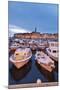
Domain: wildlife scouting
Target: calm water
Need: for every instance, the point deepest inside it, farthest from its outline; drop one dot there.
(29, 73)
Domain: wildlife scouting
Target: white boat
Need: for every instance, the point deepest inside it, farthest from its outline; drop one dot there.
(42, 44)
(33, 41)
(52, 50)
(21, 57)
(21, 41)
(16, 40)
(44, 61)
(14, 45)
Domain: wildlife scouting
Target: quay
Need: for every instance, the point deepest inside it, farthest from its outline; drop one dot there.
(33, 85)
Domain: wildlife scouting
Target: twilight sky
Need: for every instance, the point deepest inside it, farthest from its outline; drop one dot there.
(24, 17)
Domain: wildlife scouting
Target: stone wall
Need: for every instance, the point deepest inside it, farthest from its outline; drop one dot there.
(34, 35)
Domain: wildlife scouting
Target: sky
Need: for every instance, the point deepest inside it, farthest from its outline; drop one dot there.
(24, 17)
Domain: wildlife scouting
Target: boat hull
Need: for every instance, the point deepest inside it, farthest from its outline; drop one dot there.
(47, 72)
(53, 57)
(21, 63)
(41, 47)
(45, 66)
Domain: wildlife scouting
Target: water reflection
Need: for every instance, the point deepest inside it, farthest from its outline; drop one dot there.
(51, 76)
(21, 73)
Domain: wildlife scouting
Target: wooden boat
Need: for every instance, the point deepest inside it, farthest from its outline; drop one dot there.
(21, 57)
(52, 50)
(44, 61)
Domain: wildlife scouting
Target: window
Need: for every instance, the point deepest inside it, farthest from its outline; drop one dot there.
(17, 54)
(54, 51)
(52, 44)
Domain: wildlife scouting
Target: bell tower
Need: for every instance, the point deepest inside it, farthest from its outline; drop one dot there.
(35, 29)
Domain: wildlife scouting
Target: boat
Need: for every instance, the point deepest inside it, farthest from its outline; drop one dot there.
(42, 44)
(32, 41)
(14, 46)
(16, 40)
(33, 44)
(21, 41)
(52, 50)
(33, 47)
(24, 45)
(21, 57)
(44, 61)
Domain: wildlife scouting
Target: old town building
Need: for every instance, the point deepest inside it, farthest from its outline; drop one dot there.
(36, 35)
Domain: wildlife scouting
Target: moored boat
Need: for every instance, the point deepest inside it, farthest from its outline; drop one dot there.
(45, 65)
(21, 57)
(14, 46)
(44, 61)
(52, 50)
(33, 47)
(42, 44)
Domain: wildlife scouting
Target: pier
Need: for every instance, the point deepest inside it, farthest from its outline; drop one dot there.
(33, 85)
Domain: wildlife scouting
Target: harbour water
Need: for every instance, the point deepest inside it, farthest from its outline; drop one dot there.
(29, 73)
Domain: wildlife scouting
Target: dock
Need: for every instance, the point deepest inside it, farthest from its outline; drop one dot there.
(47, 84)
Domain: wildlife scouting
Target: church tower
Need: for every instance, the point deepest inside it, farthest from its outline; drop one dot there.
(35, 29)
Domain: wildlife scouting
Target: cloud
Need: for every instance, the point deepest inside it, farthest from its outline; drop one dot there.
(15, 29)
